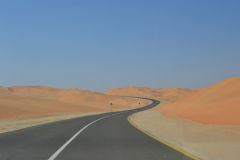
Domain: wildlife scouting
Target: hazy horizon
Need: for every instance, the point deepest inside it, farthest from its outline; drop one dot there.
(111, 44)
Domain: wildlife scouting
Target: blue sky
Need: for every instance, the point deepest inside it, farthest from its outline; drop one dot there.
(105, 44)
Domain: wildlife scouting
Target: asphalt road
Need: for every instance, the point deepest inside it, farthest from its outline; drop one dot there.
(106, 136)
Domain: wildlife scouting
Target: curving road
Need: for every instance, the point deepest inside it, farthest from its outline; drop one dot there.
(106, 136)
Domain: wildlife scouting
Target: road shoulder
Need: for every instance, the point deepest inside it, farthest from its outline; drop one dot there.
(208, 142)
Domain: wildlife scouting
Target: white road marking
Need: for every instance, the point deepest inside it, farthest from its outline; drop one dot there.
(73, 137)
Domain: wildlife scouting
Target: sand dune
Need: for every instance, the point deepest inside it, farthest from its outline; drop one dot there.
(18, 101)
(165, 94)
(217, 104)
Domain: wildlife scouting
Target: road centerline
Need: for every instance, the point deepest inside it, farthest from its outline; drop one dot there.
(54, 156)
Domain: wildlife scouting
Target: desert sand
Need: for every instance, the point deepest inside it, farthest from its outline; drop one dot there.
(163, 94)
(207, 142)
(34, 104)
(23, 101)
(205, 124)
(218, 104)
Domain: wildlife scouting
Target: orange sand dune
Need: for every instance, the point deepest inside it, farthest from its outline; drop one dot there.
(166, 94)
(217, 104)
(20, 101)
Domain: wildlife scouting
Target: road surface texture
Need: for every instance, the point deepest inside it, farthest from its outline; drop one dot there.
(107, 136)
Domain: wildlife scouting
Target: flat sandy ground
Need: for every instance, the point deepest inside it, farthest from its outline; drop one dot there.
(28, 121)
(208, 142)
